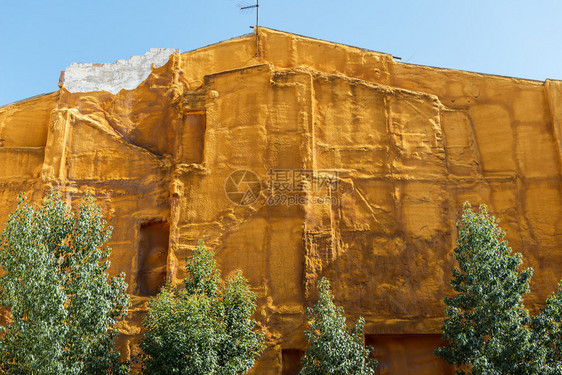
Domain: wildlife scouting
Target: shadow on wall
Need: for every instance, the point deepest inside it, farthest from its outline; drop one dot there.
(154, 239)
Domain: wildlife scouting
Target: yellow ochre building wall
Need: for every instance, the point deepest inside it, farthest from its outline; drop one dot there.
(404, 146)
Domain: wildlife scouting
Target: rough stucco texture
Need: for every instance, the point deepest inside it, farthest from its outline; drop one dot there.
(406, 145)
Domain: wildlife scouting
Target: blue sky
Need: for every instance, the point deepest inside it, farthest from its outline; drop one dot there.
(39, 38)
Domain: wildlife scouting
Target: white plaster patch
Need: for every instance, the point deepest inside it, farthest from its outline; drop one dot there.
(123, 74)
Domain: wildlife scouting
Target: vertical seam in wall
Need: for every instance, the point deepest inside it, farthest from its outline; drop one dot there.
(553, 123)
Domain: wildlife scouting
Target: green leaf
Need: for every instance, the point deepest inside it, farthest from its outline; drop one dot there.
(63, 306)
(204, 328)
(333, 348)
(488, 330)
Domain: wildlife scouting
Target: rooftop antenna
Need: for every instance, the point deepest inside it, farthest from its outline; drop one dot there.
(246, 7)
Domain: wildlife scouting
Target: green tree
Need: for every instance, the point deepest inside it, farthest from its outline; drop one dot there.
(204, 327)
(62, 305)
(487, 327)
(547, 331)
(333, 348)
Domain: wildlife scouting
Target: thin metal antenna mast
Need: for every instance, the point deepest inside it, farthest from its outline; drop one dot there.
(256, 28)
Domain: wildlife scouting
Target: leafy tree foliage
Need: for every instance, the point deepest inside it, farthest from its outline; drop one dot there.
(203, 328)
(547, 330)
(333, 348)
(488, 329)
(63, 306)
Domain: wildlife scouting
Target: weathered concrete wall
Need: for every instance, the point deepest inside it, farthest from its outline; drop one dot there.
(406, 146)
(123, 74)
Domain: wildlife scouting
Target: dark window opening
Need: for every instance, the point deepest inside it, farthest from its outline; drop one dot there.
(193, 138)
(291, 361)
(153, 255)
